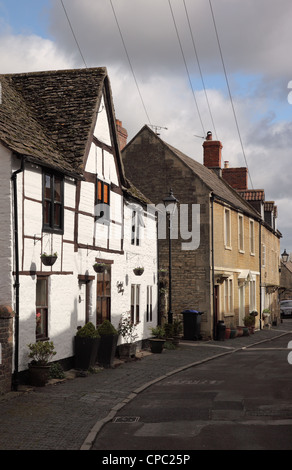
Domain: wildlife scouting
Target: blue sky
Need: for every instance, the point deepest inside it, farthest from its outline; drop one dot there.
(26, 16)
(255, 38)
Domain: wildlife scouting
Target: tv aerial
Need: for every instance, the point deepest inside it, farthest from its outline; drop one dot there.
(156, 128)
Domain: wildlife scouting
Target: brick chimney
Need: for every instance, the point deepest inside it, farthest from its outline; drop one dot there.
(212, 154)
(122, 134)
(236, 177)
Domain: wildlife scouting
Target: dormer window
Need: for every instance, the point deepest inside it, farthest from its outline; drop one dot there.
(53, 203)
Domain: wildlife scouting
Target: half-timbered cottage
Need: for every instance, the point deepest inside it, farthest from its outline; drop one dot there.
(64, 193)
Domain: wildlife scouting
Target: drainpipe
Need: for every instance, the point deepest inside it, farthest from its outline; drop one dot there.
(16, 284)
(213, 274)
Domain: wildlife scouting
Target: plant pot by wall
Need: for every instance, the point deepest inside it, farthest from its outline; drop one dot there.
(233, 333)
(107, 350)
(227, 333)
(245, 331)
(127, 350)
(38, 375)
(156, 345)
(86, 350)
(239, 331)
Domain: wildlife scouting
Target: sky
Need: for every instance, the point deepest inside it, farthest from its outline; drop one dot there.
(183, 67)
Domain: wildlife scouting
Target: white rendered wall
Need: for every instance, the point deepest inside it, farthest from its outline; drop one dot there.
(6, 228)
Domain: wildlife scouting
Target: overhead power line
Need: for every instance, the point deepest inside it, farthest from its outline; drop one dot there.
(231, 100)
(177, 33)
(200, 70)
(72, 30)
(132, 70)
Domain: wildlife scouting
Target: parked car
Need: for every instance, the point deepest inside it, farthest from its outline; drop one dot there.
(286, 308)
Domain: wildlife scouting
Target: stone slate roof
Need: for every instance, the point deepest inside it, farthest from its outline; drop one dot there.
(48, 116)
(218, 186)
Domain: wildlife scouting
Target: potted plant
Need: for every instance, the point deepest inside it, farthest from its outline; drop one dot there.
(138, 271)
(126, 330)
(39, 368)
(158, 340)
(249, 322)
(87, 341)
(108, 344)
(49, 260)
(99, 267)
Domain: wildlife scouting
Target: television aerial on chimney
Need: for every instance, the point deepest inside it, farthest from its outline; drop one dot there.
(156, 128)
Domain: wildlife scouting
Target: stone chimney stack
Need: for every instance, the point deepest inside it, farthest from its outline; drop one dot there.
(122, 134)
(212, 154)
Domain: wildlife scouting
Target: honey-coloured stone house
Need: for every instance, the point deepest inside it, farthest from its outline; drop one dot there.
(222, 275)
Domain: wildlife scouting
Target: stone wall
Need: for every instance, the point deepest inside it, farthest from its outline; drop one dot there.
(6, 348)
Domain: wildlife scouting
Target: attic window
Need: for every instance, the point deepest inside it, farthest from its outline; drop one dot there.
(53, 203)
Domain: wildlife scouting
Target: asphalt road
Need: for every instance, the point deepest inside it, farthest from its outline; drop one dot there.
(241, 401)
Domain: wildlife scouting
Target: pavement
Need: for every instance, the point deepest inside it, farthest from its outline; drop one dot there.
(68, 414)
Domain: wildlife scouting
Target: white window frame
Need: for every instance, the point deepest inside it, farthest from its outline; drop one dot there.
(227, 228)
(240, 233)
(149, 308)
(228, 295)
(135, 303)
(252, 295)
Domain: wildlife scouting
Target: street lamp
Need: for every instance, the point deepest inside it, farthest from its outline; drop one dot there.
(170, 203)
(285, 256)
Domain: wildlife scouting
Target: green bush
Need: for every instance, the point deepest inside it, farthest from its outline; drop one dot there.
(158, 332)
(56, 371)
(106, 328)
(88, 331)
(41, 352)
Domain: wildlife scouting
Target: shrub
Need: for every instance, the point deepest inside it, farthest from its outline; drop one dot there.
(88, 331)
(106, 328)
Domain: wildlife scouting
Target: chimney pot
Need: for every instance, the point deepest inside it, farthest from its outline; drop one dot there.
(226, 164)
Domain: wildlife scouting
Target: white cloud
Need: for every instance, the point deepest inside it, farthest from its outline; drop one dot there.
(31, 53)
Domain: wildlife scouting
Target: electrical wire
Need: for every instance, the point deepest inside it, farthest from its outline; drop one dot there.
(72, 30)
(132, 70)
(200, 70)
(186, 67)
(227, 82)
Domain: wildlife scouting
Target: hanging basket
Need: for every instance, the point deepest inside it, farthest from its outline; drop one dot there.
(99, 267)
(138, 271)
(48, 260)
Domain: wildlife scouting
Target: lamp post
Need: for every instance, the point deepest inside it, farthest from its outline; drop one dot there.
(285, 256)
(170, 203)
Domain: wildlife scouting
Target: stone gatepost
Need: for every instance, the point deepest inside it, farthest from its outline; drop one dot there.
(6, 348)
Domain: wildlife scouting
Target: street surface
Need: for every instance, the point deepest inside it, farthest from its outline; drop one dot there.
(239, 401)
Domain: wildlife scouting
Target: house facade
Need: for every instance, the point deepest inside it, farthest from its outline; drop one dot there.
(220, 274)
(64, 192)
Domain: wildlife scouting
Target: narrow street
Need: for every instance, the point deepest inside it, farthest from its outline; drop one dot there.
(241, 401)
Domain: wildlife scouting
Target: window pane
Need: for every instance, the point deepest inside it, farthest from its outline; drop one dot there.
(41, 322)
(48, 186)
(47, 213)
(99, 191)
(105, 194)
(57, 187)
(41, 293)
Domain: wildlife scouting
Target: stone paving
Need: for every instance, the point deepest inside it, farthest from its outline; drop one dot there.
(68, 415)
